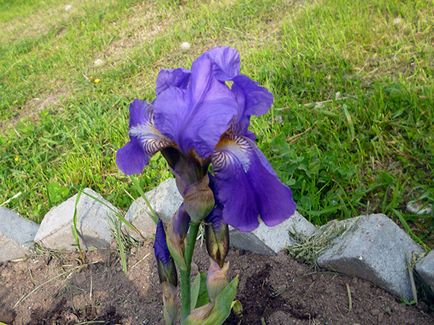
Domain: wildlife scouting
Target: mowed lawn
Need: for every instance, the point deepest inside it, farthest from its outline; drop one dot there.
(351, 128)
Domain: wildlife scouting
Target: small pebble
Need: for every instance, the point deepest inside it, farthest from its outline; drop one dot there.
(68, 8)
(185, 46)
(419, 208)
(397, 21)
(98, 62)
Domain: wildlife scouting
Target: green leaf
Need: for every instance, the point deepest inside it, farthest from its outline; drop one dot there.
(221, 309)
(199, 292)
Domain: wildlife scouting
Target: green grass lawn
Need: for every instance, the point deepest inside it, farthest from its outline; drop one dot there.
(350, 130)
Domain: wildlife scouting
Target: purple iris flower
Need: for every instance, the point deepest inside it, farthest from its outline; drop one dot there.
(198, 116)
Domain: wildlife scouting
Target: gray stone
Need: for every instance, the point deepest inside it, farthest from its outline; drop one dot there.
(266, 240)
(164, 199)
(94, 223)
(16, 235)
(425, 268)
(376, 249)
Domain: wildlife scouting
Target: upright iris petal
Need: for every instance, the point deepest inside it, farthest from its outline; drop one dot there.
(251, 98)
(226, 62)
(248, 188)
(196, 117)
(145, 139)
(172, 78)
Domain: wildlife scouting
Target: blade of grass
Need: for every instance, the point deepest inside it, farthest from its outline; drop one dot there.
(409, 230)
(154, 214)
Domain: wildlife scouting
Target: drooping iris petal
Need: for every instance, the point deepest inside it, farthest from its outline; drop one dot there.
(145, 140)
(161, 250)
(131, 158)
(226, 62)
(172, 78)
(196, 118)
(248, 187)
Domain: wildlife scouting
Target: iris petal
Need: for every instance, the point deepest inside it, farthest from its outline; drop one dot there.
(145, 140)
(196, 118)
(248, 187)
(252, 98)
(226, 62)
(172, 78)
(131, 158)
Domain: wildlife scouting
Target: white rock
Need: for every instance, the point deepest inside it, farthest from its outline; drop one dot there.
(16, 235)
(185, 46)
(397, 21)
(98, 62)
(266, 240)
(425, 268)
(68, 8)
(164, 199)
(94, 223)
(419, 208)
(376, 249)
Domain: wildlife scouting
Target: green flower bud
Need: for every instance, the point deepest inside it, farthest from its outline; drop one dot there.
(200, 314)
(216, 237)
(176, 233)
(217, 279)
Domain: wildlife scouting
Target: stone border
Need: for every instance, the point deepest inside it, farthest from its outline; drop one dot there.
(370, 247)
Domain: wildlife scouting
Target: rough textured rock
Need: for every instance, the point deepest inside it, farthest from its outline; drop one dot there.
(376, 249)
(270, 240)
(425, 268)
(94, 223)
(16, 235)
(164, 199)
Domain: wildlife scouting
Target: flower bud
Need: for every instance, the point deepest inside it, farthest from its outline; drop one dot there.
(177, 231)
(216, 236)
(166, 266)
(170, 303)
(200, 314)
(217, 279)
(198, 200)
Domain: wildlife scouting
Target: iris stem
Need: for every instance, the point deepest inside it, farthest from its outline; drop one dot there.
(185, 275)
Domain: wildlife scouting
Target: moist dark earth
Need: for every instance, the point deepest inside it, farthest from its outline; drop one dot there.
(55, 288)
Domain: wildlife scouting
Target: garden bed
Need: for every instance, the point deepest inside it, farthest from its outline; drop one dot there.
(54, 288)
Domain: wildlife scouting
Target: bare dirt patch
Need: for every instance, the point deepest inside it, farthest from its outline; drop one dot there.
(58, 289)
(31, 109)
(143, 24)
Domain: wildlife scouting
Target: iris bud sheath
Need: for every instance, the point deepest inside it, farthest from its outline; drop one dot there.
(167, 274)
(217, 279)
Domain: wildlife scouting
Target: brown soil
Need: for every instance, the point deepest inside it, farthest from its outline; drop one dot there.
(60, 289)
